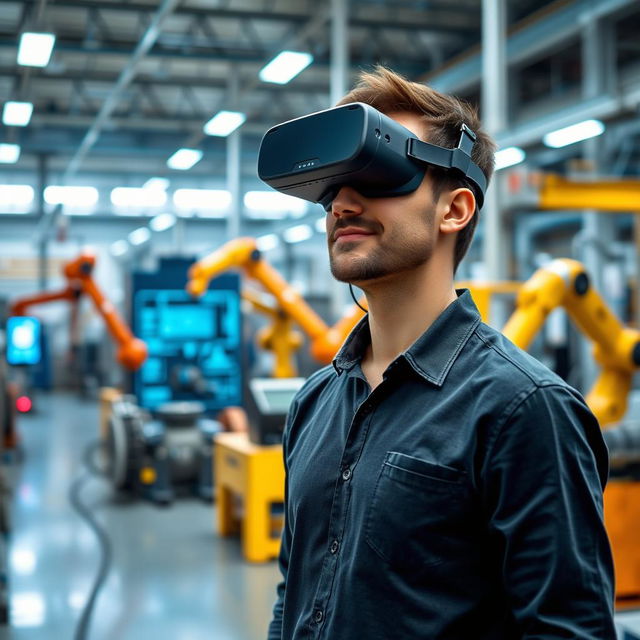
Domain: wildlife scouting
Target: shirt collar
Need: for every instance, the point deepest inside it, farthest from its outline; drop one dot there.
(433, 353)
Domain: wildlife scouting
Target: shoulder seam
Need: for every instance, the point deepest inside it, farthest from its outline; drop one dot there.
(515, 404)
(505, 356)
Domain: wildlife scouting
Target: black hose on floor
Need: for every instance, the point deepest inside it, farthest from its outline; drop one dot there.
(104, 542)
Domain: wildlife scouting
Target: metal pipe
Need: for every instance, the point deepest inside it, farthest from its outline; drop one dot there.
(494, 113)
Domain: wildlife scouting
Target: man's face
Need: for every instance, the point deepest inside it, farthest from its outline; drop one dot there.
(374, 238)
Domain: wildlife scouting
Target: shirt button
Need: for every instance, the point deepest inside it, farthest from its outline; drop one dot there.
(317, 616)
(335, 545)
(346, 474)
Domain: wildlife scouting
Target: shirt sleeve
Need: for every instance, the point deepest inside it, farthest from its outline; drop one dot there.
(544, 478)
(275, 627)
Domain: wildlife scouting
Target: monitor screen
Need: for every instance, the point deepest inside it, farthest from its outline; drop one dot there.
(279, 400)
(23, 340)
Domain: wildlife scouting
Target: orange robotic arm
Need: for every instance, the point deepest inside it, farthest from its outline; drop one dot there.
(132, 352)
(565, 283)
(20, 306)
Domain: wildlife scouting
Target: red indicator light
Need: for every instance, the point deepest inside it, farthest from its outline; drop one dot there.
(23, 404)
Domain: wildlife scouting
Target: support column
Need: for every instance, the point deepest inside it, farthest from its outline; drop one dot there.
(339, 87)
(43, 241)
(234, 222)
(497, 242)
(598, 229)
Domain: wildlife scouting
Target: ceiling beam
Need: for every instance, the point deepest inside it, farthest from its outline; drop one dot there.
(126, 76)
(442, 18)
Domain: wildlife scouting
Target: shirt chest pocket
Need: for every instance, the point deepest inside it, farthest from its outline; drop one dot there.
(417, 513)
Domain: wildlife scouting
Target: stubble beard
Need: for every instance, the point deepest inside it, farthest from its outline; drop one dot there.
(380, 262)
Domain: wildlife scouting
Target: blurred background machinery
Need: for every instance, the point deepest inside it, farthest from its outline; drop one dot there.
(153, 294)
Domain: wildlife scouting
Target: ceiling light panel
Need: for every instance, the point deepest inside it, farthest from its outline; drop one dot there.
(574, 133)
(139, 236)
(285, 66)
(9, 153)
(35, 49)
(17, 114)
(298, 233)
(207, 202)
(71, 196)
(162, 222)
(184, 159)
(272, 205)
(224, 123)
(127, 197)
(509, 157)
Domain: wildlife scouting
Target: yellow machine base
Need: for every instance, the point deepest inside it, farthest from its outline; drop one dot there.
(255, 474)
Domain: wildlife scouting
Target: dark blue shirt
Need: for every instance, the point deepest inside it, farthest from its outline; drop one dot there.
(460, 499)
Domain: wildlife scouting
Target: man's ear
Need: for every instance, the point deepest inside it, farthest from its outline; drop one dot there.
(457, 209)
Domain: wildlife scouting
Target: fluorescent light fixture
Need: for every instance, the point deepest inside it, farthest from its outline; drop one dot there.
(299, 233)
(285, 66)
(71, 196)
(119, 248)
(202, 200)
(23, 561)
(272, 205)
(35, 49)
(321, 225)
(16, 195)
(184, 159)
(136, 197)
(162, 184)
(575, 133)
(9, 153)
(17, 114)
(162, 222)
(268, 242)
(28, 609)
(139, 236)
(224, 123)
(508, 157)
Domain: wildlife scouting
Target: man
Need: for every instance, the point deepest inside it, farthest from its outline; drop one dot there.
(441, 483)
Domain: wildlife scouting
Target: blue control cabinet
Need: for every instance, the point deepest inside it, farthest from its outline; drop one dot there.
(195, 348)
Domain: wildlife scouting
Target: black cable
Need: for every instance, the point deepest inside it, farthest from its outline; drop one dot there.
(103, 539)
(353, 295)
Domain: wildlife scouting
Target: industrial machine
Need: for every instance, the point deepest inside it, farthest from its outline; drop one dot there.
(195, 347)
(267, 402)
(161, 456)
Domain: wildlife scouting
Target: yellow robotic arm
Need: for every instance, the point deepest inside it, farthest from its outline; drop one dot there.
(243, 253)
(564, 282)
(279, 337)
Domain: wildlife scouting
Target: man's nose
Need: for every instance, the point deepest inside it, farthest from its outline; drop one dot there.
(347, 202)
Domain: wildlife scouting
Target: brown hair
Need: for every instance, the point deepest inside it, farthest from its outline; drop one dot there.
(442, 115)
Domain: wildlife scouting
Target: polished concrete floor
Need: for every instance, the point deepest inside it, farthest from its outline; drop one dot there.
(172, 577)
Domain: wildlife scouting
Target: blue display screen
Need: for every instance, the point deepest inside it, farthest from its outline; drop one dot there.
(194, 344)
(23, 340)
(186, 321)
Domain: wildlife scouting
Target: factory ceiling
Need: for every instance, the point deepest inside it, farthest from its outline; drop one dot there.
(130, 82)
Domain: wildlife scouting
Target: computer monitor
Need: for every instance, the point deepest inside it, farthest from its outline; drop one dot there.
(23, 340)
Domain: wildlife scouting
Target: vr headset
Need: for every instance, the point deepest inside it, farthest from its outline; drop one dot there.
(314, 156)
